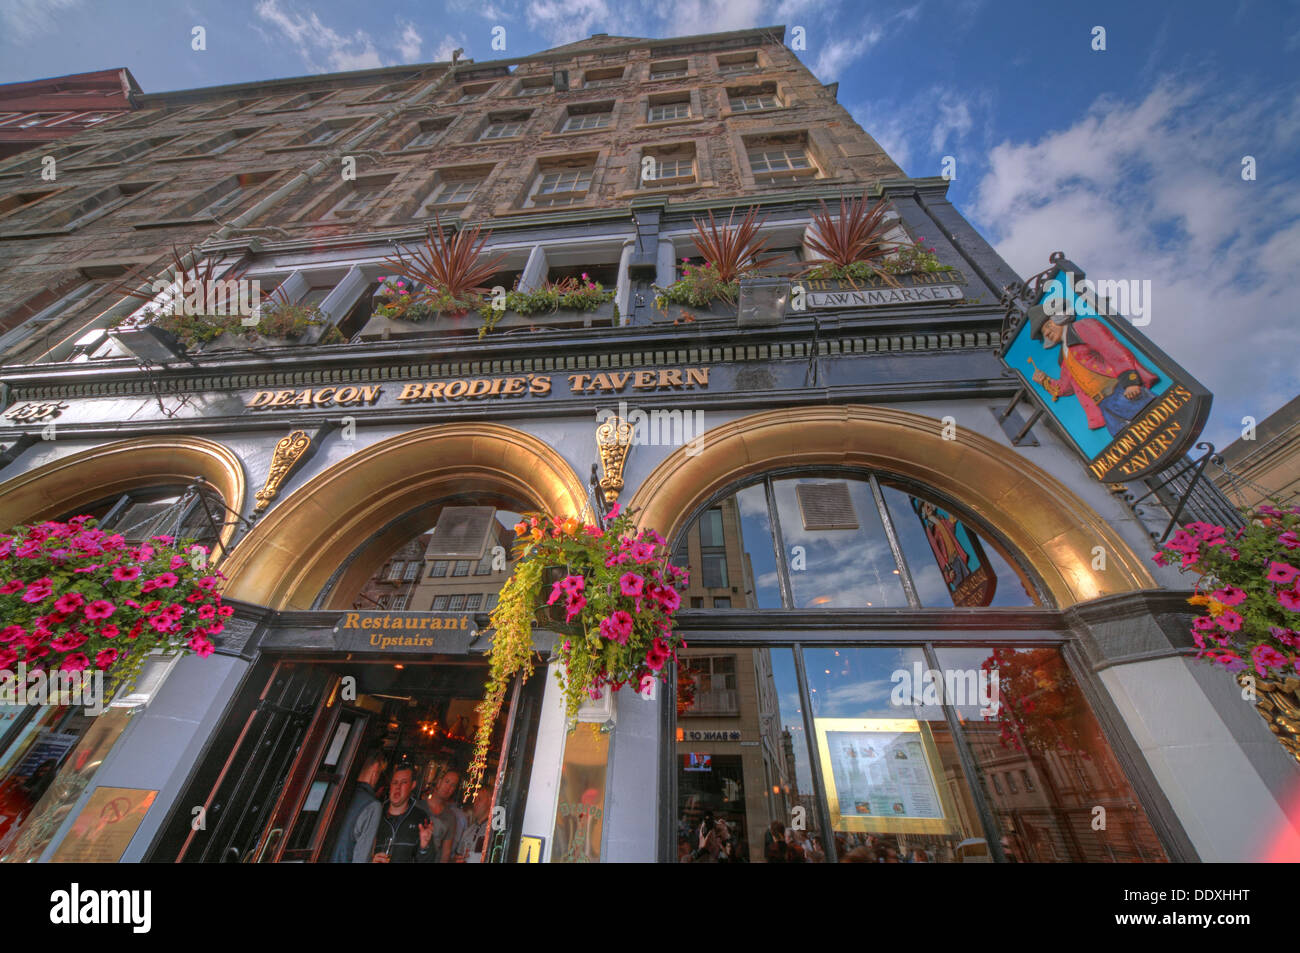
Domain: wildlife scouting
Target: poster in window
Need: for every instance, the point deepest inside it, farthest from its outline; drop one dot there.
(957, 551)
(882, 775)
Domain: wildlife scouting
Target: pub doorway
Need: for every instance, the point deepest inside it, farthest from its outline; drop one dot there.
(295, 752)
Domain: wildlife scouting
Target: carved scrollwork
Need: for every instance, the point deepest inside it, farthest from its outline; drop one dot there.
(614, 440)
(287, 453)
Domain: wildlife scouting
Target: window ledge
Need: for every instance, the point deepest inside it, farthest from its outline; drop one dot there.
(671, 79)
(503, 210)
(666, 189)
(302, 148)
(668, 122)
(577, 132)
(488, 142)
(728, 112)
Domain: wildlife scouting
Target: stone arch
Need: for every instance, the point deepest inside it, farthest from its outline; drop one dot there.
(1052, 529)
(290, 555)
(79, 479)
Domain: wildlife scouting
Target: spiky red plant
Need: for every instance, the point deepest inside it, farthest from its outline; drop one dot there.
(733, 250)
(856, 235)
(447, 267)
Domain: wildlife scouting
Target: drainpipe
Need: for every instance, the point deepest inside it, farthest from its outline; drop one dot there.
(129, 304)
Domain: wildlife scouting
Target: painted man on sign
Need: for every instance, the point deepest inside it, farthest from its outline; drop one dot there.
(1096, 368)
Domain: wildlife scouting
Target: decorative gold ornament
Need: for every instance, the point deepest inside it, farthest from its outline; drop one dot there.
(287, 453)
(1278, 703)
(614, 438)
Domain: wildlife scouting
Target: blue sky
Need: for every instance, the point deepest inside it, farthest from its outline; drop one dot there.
(1128, 159)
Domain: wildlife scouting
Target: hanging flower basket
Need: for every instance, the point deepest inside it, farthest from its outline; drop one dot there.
(614, 592)
(1250, 591)
(74, 598)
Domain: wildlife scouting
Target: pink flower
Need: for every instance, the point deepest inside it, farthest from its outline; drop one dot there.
(1229, 595)
(177, 562)
(1189, 559)
(75, 662)
(7, 657)
(1266, 658)
(68, 642)
(630, 584)
(110, 631)
(1182, 542)
(1289, 599)
(643, 552)
(12, 586)
(576, 605)
(657, 655)
(617, 628)
(1287, 539)
(11, 632)
(226, 611)
(167, 580)
(1230, 660)
(1203, 624)
(207, 612)
(207, 583)
(126, 573)
(1229, 621)
(37, 592)
(1282, 572)
(100, 609)
(201, 646)
(105, 658)
(613, 511)
(667, 597)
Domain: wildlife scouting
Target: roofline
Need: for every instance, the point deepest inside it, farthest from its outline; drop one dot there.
(760, 34)
(134, 86)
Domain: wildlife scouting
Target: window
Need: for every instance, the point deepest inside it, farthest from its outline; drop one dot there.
(666, 111)
(781, 164)
(1029, 783)
(456, 603)
(395, 570)
(669, 169)
(595, 78)
(1011, 783)
(39, 119)
(356, 198)
(381, 602)
(491, 602)
(450, 191)
(461, 568)
(484, 567)
(997, 785)
(668, 70)
(94, 205)
(303, 100)
(473, 601)
(715, 686)
(388, 94)
(439, 569)
(563, 186)
(128, 151)
(750, 103)
(503, 127)
(469, 94)
(588, 120)
(399, 603)
(426, 134)
(412, 572)
(737, 62)
(216, 145)
(536, 87)
(721, 602)
(322, 135)
(440, 603)
(19, 200)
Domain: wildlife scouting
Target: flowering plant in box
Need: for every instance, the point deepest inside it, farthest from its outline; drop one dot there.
(617, 591)
(75, 598)
(1249, 588)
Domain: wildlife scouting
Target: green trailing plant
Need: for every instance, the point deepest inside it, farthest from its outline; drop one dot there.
(398, 300)
(697, 287)
(277, 319)
(568, 294)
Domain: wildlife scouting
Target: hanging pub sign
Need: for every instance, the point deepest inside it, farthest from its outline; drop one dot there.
(959, 555)
(1124, 405)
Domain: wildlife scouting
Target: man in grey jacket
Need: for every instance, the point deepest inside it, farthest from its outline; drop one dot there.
(357, 833)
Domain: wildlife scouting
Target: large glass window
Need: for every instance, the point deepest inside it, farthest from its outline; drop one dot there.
(845, 539)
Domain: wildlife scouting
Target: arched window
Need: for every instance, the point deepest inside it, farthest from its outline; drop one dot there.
(845, 539)
(450, 555)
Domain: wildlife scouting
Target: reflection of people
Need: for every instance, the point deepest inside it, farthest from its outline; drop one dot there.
(1011, 849)
(442, 805)
(1110, 384)
(774, 846)
(356, 841)
(406, 830)
(472, 840)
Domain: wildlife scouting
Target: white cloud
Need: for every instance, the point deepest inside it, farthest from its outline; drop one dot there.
(889, 130)
(409, 43)
(323, 49)
(446, 46)
(833, 57)
(564, 21)
(27, 19)
(1153, 190)
(954, 121)
(690, 17)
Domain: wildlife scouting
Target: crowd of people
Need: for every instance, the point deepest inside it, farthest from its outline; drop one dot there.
(401, 828)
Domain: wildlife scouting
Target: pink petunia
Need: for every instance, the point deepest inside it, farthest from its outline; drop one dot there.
(657, 655)
(1203, 624)
(642, 552)
(1229, 595)
(207, 612)
(100, 609)
(37, 593)
(617, 628)
(167, 580)
(1284, 573)
(12, 586)
(75, 662)
(1266, 658)
(1289, 599)
(201, 646)
(110, 632)
(126, 573)
(11, 632)
(630, 584)
(105, 658)
(1288, 539)
(576, 605)
(1229, 621)
(68, 642)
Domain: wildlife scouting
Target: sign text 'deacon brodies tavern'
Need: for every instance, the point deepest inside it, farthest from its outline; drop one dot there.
(1126, 407)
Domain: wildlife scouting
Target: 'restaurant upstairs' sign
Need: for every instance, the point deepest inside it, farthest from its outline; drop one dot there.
(1127, 408)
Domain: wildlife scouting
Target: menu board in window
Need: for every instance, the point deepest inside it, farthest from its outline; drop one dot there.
(883, 775)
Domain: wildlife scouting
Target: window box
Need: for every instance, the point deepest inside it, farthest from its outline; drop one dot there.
(673, 313)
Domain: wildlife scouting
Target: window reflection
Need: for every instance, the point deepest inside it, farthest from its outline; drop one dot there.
(1046, 765)
(744, 780)
(731, 544)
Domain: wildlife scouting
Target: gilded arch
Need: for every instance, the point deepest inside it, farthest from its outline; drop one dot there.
(289, 556)
(63, 485)
(1052, 528)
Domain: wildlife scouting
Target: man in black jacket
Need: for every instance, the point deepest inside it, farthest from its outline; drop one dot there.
(405, 828)
(356, 843)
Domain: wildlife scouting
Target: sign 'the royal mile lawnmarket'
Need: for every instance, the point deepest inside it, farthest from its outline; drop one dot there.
(943, 285)
(1123, 404)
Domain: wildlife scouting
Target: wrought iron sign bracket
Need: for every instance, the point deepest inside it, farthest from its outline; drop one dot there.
(1012, 424)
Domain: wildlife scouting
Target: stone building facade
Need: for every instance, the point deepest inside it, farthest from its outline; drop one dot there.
(823, 465)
